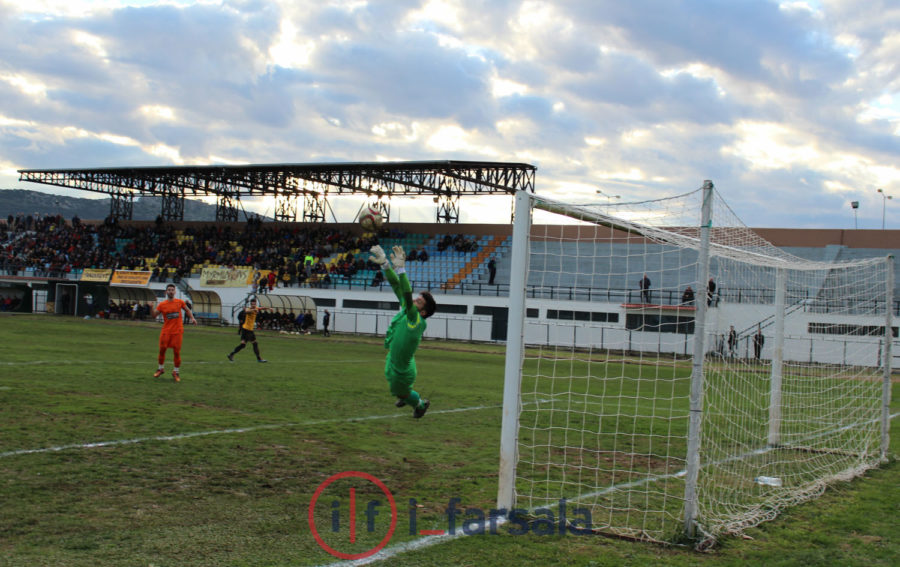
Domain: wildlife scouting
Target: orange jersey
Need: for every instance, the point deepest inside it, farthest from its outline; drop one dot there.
(171, 312)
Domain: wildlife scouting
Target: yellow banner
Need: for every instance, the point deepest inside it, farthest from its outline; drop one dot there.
(131, 277)
(225, 277)
(95, 275)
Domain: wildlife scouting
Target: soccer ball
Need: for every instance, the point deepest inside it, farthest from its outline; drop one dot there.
(370, 219)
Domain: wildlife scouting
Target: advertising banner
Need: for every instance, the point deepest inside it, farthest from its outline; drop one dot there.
(131, 277)
(225, 277)
(95, 275)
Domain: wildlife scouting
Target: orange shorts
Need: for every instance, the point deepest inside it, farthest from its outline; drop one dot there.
(170, 340)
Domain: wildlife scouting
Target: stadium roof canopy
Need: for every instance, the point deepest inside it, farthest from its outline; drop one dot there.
(446, 181)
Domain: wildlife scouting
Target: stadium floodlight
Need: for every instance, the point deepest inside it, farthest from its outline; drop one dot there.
(609, 197)
(660, 427)
(884, 200)
(855, 206)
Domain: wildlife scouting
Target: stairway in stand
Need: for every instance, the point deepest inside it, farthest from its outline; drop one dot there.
(486, 252)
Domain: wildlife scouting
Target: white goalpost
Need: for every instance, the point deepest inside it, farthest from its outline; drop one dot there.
(665, 417)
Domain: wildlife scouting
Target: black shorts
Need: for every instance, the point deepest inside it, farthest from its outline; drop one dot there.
(247, 336)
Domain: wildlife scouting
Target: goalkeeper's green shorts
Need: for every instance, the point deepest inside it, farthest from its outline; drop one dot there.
(400, 381)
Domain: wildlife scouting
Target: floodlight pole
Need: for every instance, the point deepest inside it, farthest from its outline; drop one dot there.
(884, 199)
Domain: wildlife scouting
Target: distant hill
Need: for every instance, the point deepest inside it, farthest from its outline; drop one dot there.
(15, 201)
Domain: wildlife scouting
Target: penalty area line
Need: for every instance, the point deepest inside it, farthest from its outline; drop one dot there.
(414, 545)
(250, 429)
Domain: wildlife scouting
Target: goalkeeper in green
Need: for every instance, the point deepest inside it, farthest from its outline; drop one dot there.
(405, 332)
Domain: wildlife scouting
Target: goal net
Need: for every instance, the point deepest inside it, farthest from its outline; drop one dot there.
(660, 415)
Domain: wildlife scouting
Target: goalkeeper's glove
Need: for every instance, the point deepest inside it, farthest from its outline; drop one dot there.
(378, 256)
(398, 258)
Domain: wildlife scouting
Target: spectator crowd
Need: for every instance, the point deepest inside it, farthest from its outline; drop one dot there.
(290, 255)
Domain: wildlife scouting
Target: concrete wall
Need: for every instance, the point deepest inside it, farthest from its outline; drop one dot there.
(800, 345)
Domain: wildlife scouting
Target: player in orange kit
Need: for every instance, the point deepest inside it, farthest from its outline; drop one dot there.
(173, 329)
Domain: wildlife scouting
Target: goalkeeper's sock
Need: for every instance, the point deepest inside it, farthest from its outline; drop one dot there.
(412, 399)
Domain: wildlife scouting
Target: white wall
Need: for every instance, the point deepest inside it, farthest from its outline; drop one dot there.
(799, 344)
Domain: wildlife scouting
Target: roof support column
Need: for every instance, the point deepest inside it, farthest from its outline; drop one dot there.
(172, 204)
(121, 204)
(285, 208)
(313, 207)
(448, 208)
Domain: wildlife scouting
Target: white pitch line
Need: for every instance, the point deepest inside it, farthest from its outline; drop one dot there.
(413, 545)
(180, 436)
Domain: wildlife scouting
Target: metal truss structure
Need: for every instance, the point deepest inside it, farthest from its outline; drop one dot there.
(227, 206)
(121, 204)
(445, 181)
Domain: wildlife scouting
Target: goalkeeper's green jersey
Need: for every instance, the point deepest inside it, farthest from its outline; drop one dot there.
(407, 327)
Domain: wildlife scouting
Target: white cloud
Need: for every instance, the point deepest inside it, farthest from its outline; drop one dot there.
(886, 107)
(455, 139)
(169, 153)
(634, 137)
(772, 146)
(28, 86)
(291, 50)
(441, 12)
(92, 43)
(158, 112)
(6, 121)
(504, 87)
(397, 131)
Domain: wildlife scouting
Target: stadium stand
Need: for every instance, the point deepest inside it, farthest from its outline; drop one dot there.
(335, 256)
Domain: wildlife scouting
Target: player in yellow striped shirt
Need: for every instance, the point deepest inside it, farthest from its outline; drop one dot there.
(247, 331)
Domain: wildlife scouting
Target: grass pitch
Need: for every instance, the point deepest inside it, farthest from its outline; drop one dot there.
(101, 464)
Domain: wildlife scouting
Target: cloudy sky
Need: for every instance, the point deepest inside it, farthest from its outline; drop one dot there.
(791, 108)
